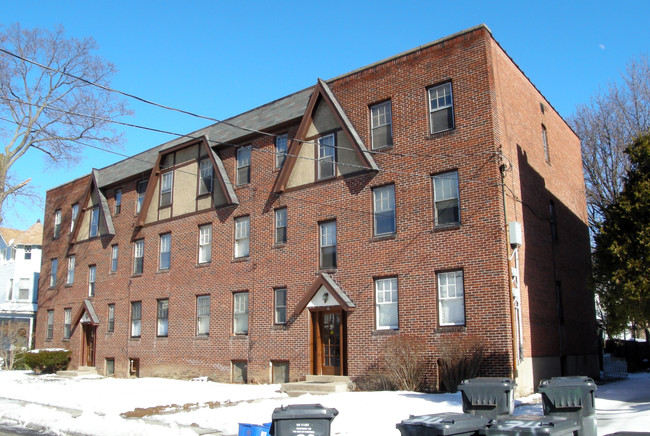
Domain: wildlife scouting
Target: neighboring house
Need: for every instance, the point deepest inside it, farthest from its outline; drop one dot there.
(20, 264)
(435, 194)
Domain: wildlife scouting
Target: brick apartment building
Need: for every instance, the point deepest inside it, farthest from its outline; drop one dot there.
(434, 194)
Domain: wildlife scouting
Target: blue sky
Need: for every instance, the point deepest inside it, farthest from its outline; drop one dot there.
(220, 58)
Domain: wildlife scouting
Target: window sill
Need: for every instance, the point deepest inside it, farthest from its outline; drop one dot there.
(202, 337)
(239, 336)
(241, 259)
(446, 227)
(68, 285)
(279, 245)
(163, 271)
(158, 338)
(136, 275)
(204, 195)
(279, 327)
(202, 265)
(65, 340)
(385, 332)
(243, 185)
(134, 338)
(451, 328)
(166, 206)
(386, 237)
(383, 147)
(441, 133)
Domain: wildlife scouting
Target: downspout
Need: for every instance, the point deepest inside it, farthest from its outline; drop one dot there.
(513, 326)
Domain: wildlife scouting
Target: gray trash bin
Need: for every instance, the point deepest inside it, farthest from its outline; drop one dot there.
(573, 398)
(531, 425)
(490, 397)
(442, 424)
(307, 419)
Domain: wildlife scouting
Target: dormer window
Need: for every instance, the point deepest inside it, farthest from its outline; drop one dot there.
(326, 157)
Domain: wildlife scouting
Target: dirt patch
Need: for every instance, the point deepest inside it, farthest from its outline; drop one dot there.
(170, 409)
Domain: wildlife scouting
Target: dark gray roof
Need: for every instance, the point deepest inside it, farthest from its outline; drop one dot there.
(271, 114)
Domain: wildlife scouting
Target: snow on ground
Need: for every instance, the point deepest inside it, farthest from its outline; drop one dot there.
(108, 406)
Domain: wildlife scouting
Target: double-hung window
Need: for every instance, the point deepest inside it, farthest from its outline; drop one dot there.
(114, 258)
(205, 243)
(23, 289)
(50, 325)
(446, 199)
(386, 303)
(94, 222)
(136, 318)
(163, 317)
(451, 298)
(441, 108)
(281, 226)
(280, 300)
(384, 210)
(242, 236)
(67, 323)
(327, 244)
(280, 150)
(118, 201)
(57, 223)
(203, 315)
(165, 251)
(166, 184)
(91, 280)
(243, 165)
(74, 213)
(326, 157)
(206, 176)
(141, 190)
(381, 123)
(53, 270)
(70, 277)
(28, 252)
(111, 318)
(240, 313)
(138, 256)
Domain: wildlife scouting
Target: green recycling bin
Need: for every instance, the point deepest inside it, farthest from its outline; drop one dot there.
(573, 398)
(442, 424)
(531, 425)
(302, 419)
(490, 397)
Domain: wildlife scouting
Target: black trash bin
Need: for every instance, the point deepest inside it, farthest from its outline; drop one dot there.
(307, 419)
(531, 425)
(490, 397)
(573, 398)
(442, 424)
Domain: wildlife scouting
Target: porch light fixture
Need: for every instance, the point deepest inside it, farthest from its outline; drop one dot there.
(325, 297)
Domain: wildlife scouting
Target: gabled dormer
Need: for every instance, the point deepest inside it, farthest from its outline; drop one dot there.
(326, 145)
(186, 179)
(94, 218)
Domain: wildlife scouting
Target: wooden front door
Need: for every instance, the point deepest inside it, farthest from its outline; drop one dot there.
(89, 345)
(329, 343)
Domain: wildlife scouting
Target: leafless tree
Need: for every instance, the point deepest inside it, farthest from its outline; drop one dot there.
(48, 102)
(606, 125)
(13, 341)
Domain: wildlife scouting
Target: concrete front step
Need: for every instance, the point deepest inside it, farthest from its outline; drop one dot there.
(318, 384)
(82, 370)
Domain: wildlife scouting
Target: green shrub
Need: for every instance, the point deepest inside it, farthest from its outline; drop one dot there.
(47, 361)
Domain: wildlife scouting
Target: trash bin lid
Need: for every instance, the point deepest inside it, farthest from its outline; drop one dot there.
(525, 425)
(447, 423)
(585, 383)
(491, 382)
(304, 411)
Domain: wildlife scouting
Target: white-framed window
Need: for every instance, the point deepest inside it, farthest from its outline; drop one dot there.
(384, 210)
(70, 277)
(240, 313)
(136, 318)
(27, 252)
(281, 142)
(138, 256)
(50, 325)
(57, 223)
(91, 280)
(54, 266)
(67, 323)
(23, 289)
(141, 189)
(166, 184)
(73, 215)
(281, 225)
(441, 108)
(381, 124)
(545, 143)
(163, 317)
(118, 201)
(446, 199)
(451, 298)
(280, 302)
(94, 222)
(205, 243)
(111, 318)
(242, 236)
(165, 251)
(386, 303)
(114, 252)
(244, 165)
(203, 315)
(206, 176)
(327, 232)
(326, 157)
